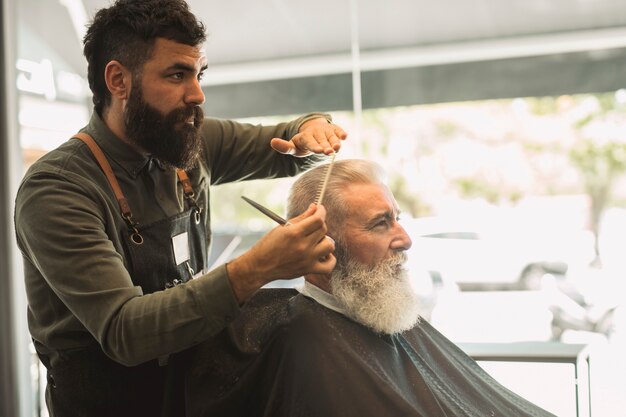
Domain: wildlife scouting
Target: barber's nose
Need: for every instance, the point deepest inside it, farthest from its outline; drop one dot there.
(194, 94)
(401, 240)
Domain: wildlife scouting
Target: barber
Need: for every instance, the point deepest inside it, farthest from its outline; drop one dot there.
(114, 224)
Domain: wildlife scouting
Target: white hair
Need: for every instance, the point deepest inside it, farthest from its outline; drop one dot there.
(344, 173)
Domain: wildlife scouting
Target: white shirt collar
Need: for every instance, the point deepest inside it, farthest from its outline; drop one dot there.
(322, 297)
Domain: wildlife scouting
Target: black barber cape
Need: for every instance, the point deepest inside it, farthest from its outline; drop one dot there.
(287, 355)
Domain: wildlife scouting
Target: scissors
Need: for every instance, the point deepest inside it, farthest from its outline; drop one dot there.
(269, 213)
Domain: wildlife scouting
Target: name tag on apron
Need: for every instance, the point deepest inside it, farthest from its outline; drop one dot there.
(180, 244)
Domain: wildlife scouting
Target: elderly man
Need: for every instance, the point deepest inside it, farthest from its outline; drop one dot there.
(352, 342)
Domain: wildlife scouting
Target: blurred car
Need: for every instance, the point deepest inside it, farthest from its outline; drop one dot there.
(490, 255)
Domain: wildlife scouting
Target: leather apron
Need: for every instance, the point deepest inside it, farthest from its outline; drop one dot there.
(86, 382)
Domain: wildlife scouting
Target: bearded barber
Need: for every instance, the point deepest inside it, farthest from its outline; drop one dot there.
(114, 224)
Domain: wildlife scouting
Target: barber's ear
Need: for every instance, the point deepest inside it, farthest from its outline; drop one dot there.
(118, 80)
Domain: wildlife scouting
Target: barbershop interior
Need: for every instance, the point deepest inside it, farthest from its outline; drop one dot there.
(501, 126)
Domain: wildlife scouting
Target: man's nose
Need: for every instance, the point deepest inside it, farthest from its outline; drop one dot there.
(194, 94)
(401, 240)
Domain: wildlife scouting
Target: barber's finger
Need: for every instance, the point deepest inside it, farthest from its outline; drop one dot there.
(311, 219)
(306, 214)
(335, 137)
(314, 225)
(283, 146)
(310, 141)
(322, 250)
(325, 245)
(340, 133)
(319, 141)
(325, 265)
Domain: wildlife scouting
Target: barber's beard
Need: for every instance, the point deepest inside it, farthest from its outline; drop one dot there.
(169, 138)
(379, 297)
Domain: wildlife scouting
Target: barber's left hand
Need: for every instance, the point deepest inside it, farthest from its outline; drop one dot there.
(315, 136)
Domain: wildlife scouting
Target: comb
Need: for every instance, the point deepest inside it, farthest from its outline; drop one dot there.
(322, 189)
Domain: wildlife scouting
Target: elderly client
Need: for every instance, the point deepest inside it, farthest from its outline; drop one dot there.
(351, 343)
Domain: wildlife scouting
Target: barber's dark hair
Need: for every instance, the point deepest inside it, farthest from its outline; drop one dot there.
(126, 32)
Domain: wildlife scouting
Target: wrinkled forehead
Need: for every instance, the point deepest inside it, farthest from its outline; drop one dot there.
(363, 201)
(375, 192)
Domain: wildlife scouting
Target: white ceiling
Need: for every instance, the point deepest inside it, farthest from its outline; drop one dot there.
(296, 36)
(243, 30)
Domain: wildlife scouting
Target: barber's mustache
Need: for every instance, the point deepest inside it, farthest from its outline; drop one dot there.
(183, 114)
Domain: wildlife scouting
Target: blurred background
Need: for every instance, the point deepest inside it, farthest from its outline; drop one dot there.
(502, 125)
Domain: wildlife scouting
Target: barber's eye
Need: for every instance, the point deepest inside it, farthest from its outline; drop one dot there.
(178, 75)
(200, 76)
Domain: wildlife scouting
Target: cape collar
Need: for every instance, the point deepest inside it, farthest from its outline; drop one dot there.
(322, 297)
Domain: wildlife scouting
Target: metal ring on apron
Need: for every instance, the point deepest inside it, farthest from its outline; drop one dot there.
(136, 238)
(196, 214)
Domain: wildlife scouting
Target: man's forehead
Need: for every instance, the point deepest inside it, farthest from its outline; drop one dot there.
(366, 201)
(167, 50)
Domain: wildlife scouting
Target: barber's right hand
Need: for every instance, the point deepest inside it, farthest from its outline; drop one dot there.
(286, 252)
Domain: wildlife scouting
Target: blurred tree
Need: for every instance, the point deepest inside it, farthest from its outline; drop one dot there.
(600, 165)
(600, 156)
(477, 187)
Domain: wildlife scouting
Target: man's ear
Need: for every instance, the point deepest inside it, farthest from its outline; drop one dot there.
(118, 80)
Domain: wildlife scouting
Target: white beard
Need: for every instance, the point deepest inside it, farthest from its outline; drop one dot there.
(379, 297)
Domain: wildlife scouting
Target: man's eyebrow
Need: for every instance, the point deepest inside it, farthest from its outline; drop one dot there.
(185, 67)
(386, 215)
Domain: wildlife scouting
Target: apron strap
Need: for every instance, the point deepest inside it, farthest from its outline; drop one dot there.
(189, 194)
(186, 183)
(119, 195)
(108, 171)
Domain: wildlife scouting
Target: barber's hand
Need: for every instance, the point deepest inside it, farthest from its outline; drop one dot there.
(315, 136)
(286, 252)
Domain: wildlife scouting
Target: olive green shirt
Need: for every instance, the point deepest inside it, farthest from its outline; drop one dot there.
(69, 229)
